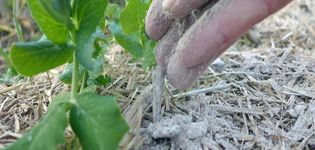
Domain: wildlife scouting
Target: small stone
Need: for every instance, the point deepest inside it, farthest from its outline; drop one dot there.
(218, 65)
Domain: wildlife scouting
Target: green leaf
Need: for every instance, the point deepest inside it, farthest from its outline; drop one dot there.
(113, 11)
(85, 53)
(132, 16)
(61, 99)
(89, 89)
(53, 18)
(66, 75)
(101, 80)
(149, 60)
(49, 132)
(97, 122)
(36, 57)
(128, 42)
(87, 15)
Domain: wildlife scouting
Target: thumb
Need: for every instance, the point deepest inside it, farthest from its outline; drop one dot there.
(157, 21)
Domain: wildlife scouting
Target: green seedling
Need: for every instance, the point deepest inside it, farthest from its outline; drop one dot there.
(128, 31)
(70, 33)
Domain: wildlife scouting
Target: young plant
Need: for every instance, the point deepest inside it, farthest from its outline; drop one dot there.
(70, 33)
(128, 31)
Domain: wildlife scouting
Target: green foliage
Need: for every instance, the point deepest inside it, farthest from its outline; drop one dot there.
(89, 89)
(101, 80)
(35, 57)
(128, 42)
(149, 55)
(97, 122)
(53, 18)
(85, 53)
(66, 75)
(133, 15)
(113, 11)
(87, 15)
(49, 132)
(74, 35)
(130, 33)
(71, 31)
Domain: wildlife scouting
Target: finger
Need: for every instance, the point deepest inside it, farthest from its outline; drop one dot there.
(213, 33)
(220, 27)
(180, 8)
(157, 21)
(167, 45)
(180, 76)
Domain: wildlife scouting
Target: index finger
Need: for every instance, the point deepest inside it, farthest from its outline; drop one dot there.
(219, 28)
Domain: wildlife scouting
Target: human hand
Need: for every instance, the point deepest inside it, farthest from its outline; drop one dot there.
(187, 46)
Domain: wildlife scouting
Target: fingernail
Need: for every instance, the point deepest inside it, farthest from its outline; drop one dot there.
(168, 4)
